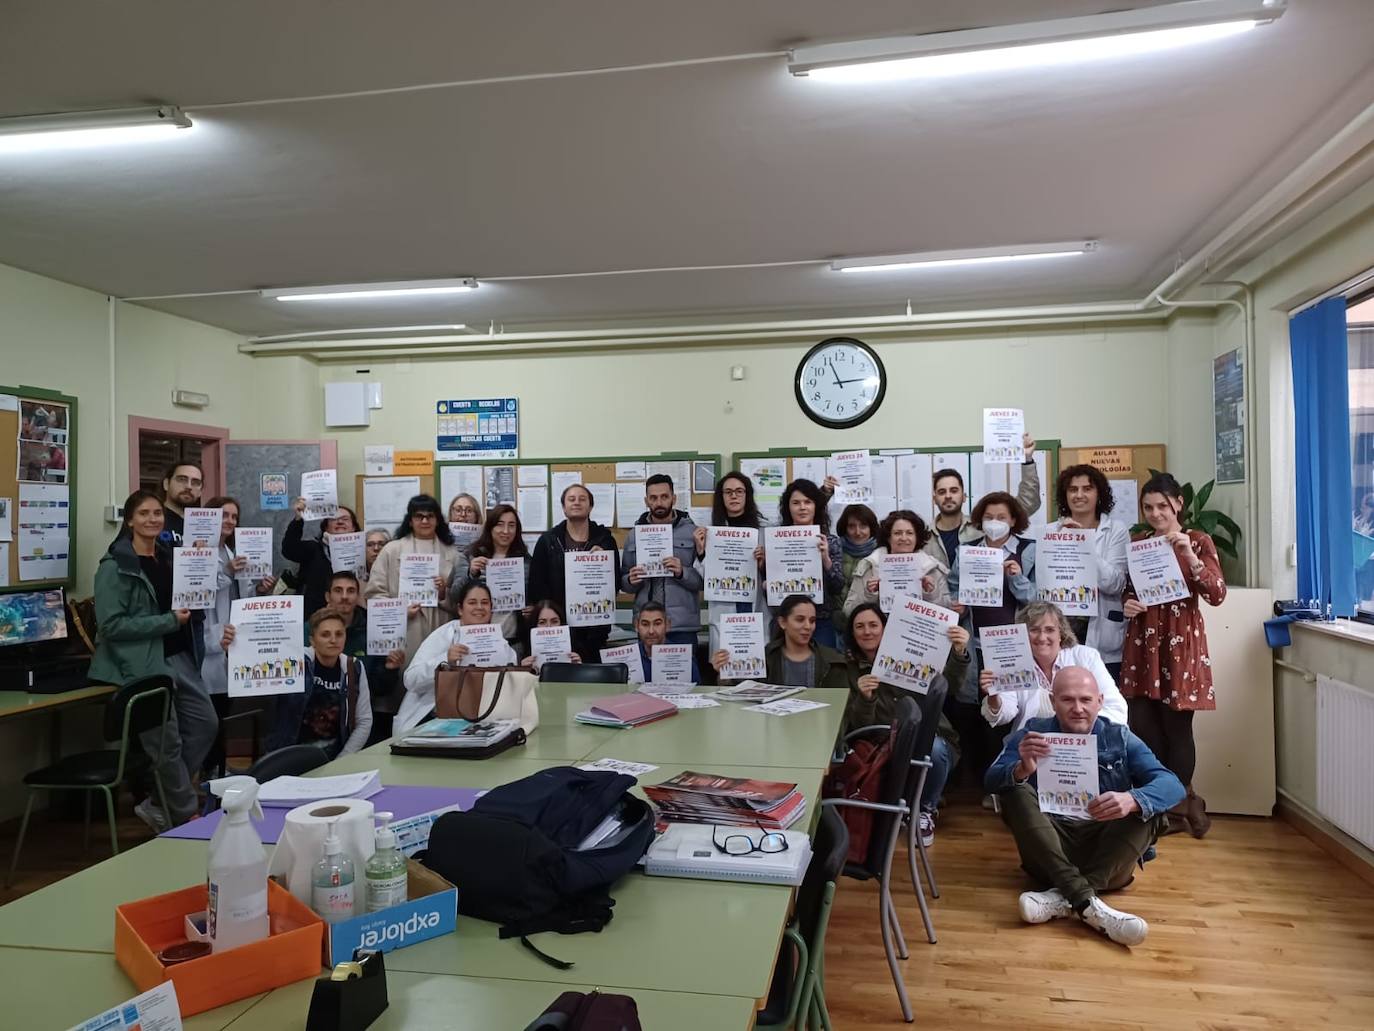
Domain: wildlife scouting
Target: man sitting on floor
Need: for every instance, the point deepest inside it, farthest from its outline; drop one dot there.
(1078, 858)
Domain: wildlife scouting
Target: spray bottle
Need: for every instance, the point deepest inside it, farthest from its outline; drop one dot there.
(237, 872)
(331, 881)
(386, 871)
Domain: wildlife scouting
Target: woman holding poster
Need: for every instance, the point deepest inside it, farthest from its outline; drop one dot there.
(548, 571)
(444, 648)
(140, 636)
(311, 554)
(804, 504)
(1166, 672)
(733, 506)
(873, 702)
(903, 532)
(793, 657)
(502, 537)
(1085, 503)
(422, 531)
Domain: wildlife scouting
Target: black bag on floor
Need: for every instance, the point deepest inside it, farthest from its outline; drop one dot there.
(514, 855)
(589, 1011)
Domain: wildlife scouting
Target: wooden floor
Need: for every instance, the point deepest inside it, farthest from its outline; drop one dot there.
(1253, 927)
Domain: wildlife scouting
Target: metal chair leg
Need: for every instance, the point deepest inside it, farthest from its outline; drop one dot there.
(902, 951)
(86, 826)
(886, 922)
(110, 812)
(930, 873)
(19, 842)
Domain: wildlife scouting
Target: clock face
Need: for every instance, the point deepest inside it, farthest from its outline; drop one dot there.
(840, 382)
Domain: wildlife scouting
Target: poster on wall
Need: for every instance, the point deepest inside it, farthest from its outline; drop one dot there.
(42, 443)
(1228, 416)
(480, 428)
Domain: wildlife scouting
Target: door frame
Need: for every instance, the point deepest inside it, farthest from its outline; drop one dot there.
(212, 456)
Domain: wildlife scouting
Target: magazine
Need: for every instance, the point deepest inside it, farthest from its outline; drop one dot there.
(754, 691)
(458, 733)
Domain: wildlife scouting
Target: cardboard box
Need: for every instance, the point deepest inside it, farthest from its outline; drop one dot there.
(431, 910)
(146, 927)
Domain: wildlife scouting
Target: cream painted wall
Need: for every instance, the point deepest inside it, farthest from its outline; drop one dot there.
(1087, 385)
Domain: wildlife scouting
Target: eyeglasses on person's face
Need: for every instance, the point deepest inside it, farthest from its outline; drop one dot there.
(424, 517)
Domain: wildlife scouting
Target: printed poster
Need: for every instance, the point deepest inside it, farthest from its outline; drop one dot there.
(506, 581)
(900, 576)
(1067, 778)
(550, 644)
(272, 492)
(590, 577)
(385, 499)
(320, 489)
(672, 664)
(42, 442)
(195, 578)
(465, 534)
(347, 552)
(44, 517)
(253, 544)
(731, 572)
(386, 625)
(653, 545)
(416, 582)
(1006, 652)
(379, 459)
(628, 654)
(1066, 570)
(915, 645)
(793, 561)
(742, 635)
(267, 655)
(980, 575)
(485, 643)
(202, 527)
(1228, 415)
(1003, 429)
(1156, 576)
(854, 471)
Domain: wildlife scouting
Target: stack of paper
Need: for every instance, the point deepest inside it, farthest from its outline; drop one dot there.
(457, 733)
(704, 798)
(626, 710)
(687, 850)
(294, 791)
(753, 691)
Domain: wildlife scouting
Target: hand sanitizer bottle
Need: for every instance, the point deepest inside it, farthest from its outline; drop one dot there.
(331, 892)
(237, 873)
(386, 871)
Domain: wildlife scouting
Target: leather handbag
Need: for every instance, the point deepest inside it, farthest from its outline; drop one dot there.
(477, 693)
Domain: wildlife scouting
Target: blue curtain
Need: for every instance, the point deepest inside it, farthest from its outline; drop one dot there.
(1321, 402)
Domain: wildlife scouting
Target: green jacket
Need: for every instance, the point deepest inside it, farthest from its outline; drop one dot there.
(866, 712)
(130, 626)
(832, 668)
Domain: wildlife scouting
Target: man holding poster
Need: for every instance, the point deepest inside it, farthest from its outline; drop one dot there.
(659, 563)
(1076, 858)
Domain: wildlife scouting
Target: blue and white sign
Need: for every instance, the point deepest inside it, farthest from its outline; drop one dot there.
(478, 429)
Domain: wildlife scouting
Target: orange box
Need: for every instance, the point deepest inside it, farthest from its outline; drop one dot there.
(146, 927)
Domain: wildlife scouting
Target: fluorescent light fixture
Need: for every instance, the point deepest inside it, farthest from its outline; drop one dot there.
(372, 291)
(320, 334)
(970, 256)
(91, 128)
(1032, 44)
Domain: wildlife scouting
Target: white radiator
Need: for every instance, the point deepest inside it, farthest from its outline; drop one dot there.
(1345, 757)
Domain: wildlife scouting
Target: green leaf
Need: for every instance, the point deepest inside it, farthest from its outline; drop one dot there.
(1207, 522)
(1204, 494)
(1226, 546)
(1139, 528)
(1187, 498)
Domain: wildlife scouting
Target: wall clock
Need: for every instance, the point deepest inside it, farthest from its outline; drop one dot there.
(840, 383)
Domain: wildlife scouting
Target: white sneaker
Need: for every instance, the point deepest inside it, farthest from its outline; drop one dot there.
(1040, 907)
(990, 803)
(926, 828)
(154, 817)
(1122, 928)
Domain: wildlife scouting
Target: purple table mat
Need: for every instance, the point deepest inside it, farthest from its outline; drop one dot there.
(402, 801)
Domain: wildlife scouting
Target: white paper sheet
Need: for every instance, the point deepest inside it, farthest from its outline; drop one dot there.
(1067, 778)
(506, 580)
(628, 654)
(884, 472)
(386, 625)
(1066, 571)
(267, 655)
(1125, 501)
(653, 547)
(914, 488)
(768, 474)
(854, 470)
(195, 578)
(253, 544)
(1006, 652)
(498, 482)
(1155, 572)
(44, 516)
(731, 572)
(385, 499)
(202, 526)
(550, 644)
(484, 642)
(630, 471)
(1003, 429)
(155, 1010)
(679, 472)
(459, 479)
(590, 578)
(416, 581)
(793, 563)
(915, 645)
(532, 475)
(812, 469)
(609, 765)
(534, 509)
(320, 489)
(379, 459)
(347, 552)
(786, 706)
(629, 502)
(672, 664)
(561, 482)
(980, 575)
(603, 502)
(742, 635)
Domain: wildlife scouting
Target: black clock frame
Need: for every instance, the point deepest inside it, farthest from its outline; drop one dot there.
(841, 424)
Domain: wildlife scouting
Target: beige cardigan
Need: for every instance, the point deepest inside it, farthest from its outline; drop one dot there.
(384, 582)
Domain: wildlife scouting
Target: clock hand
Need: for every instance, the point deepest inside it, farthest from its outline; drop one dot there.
(838, 382)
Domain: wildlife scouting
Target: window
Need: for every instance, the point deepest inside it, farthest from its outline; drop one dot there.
(1360, 340)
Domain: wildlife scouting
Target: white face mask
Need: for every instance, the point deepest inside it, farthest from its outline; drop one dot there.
(995, 529)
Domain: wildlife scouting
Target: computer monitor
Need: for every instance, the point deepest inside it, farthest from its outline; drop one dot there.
(32, 617)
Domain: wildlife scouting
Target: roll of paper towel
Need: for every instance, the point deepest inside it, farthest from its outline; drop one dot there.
(301, 844)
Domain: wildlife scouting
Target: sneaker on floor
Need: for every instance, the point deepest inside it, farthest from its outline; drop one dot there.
(154, 817)
(926, 828)
(990, 802)
(1040, 907)
(1122, 928)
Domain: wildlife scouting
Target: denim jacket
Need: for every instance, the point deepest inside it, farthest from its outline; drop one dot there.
(1124, 763)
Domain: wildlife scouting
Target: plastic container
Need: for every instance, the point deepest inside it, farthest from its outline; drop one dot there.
(237, 873)
(385, 873)
(332, 881)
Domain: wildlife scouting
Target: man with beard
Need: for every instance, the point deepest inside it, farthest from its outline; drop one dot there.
(180, 490)
(680, 591)
(952, 527)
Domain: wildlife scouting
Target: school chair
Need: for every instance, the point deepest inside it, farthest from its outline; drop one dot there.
(291, 761)
(930, 705)
(889, 811)
(797, 996)
(584, 673)
(135, 708)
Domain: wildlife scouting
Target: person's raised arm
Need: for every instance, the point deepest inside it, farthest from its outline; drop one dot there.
(1028, 489)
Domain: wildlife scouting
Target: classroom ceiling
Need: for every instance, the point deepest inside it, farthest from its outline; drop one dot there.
(731, 163)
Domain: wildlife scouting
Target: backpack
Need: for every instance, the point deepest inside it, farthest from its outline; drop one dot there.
(860, 776)
(514, 855)
(590, 1011)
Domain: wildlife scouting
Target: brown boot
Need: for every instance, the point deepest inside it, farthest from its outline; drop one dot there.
(1195, 813)
(1175, 820)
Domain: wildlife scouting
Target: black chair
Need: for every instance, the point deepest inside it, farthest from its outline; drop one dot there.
(797, 996)
(255, 718)
(584, 673)
(133, 709)
(291, 761)
(889, 812)
(931, 704)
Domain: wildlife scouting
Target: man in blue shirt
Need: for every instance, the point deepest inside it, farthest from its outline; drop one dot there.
(653, 627)
(1080, 857)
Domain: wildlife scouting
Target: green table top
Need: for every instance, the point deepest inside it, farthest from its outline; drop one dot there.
(19, 703)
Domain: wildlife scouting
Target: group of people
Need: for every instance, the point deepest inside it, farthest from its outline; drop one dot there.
(1139, 672)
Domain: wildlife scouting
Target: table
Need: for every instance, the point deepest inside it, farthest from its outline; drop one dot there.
(694, 953)
(21, 703)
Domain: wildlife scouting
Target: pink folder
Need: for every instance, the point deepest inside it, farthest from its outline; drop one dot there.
(632, 709)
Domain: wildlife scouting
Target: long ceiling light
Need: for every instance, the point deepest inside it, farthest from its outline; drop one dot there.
(372, 291)
(86, 128)
(969, 256)
(1032, 44)
(361, 331)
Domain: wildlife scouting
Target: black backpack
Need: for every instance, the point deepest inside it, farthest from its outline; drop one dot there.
(514, 857)
(590, 1011)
